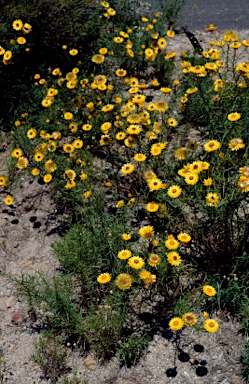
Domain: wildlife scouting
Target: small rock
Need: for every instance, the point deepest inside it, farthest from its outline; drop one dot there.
(17, 318)
(26, 265)
(90, 362)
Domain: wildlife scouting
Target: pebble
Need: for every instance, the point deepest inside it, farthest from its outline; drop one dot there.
(90, 362)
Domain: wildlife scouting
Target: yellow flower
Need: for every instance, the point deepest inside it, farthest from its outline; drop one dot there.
(31, 133)
(174, 258)
(170, 33)
(140, 157)
(236, 144)
(235, 45)
(120, 135)
(181, 153)
(77, 144)
(103, 51)
(212, 199)
(87, 194)
(124, 281)
(208, 182)
(126, 236)
(165, 90)
(161, 106)
(3, 180)
(35, 171)
(211, 28)
(26, 28)
(152, 207)
(87, 127)
(38, 156)
(155, 150)
(70, 184)
(172, 122)
(68, 115)
(176, 324)
(104, 278)
(155, 184)
(212, 145)
(118, 40)
(108, 108)
(154, 260)
(191, 178)
(136, 262)
(21, 40)
(127, 168)
(105, 140)
(47, 178)
(189, 319)
(83, 176)
(68, 148)
(184, 237)
(134, 129)
(146, 232)
(205, 315)
(7, 55)
(147, 278)
(120, 203)
(70, 174)
(16, 153)
(98, 58)
(211, 325)
(73, 52)
(50, 166)
(174, 191)
(46, 103)
(171, 242)
(234, 116)
(124, 254)
(22, 162)
(170, 55)
(209, 290)
(8, 200)
(121, 72)
(17, 24)
(161, 43)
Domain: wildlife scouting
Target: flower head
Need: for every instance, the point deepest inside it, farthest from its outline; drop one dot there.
(124, 281)
(212, 145)
(154, 260)
(189, 319)
(126, 236)
(209, 290)
(124, 254)
(104, 278)
(171, 243)
(127, 168)
(8, 200)
(236, 144)
(174, 258)
(174, 191)
(146, 232)
(211, 325)
(234, 116)
(17, 24)
(184, 237)
(212, 199)
(176, 324)
(136, 262)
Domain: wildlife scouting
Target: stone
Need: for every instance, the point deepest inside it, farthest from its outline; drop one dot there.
(90, 362)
